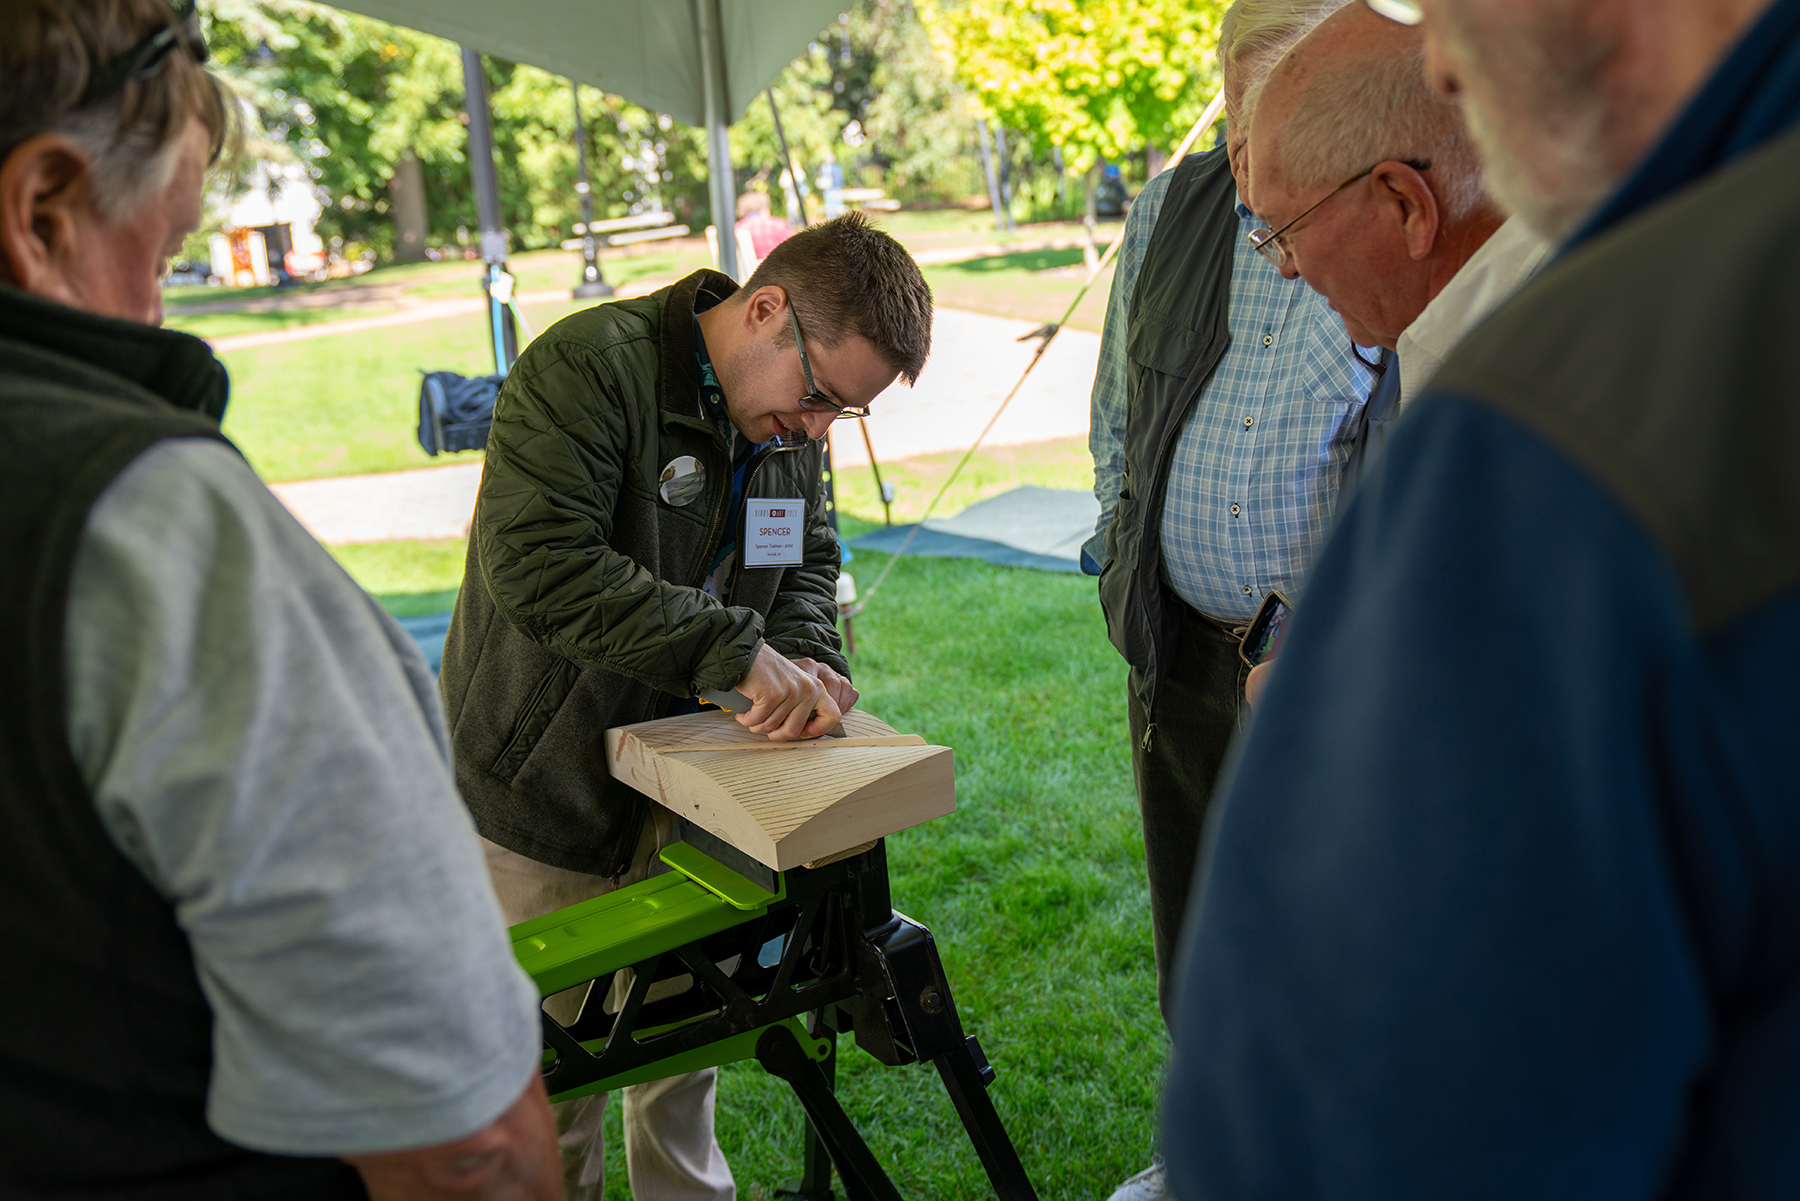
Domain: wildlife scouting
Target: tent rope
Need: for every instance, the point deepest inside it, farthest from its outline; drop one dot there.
(1045, 335)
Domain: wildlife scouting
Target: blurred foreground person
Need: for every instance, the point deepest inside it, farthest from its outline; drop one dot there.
(1226, 404)
(1374, 193)
(243, 911)
(1504, 900)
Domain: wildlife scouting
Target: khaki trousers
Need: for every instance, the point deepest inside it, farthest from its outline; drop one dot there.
(671, 1153)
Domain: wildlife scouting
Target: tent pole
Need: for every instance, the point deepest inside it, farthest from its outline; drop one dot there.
(592, 283)
(788, 155)
(496, 282)
(721, 181)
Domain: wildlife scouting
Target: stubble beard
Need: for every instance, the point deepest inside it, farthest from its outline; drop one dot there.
(1538, 111)
(1562, 180)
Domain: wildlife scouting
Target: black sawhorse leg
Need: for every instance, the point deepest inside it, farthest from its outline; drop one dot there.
(863, 1178)
(814, 1181)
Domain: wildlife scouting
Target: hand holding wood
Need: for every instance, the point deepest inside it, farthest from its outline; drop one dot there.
(787, 701)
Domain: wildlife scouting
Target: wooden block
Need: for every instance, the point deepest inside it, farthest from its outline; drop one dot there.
(786, 803)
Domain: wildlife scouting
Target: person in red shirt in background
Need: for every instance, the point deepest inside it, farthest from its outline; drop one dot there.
(764, 230)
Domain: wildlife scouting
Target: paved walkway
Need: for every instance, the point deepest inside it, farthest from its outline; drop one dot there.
(975, 361)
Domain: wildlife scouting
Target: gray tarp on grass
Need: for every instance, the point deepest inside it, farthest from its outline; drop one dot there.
(1027, 527)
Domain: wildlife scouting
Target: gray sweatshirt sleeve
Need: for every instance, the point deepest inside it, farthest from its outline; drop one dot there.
(267, 746)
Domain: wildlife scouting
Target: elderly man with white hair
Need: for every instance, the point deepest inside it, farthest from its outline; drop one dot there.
(1373, 193)
(1504, 898)
(1226, 407)
(248, 931)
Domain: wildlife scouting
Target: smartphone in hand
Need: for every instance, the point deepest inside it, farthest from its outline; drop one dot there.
(1262, 642)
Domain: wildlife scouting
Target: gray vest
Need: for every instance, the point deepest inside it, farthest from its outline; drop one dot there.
(1178, 333)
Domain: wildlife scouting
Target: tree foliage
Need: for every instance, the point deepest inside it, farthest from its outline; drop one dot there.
(893, 92)
(350, 97)
(871, 91)
(1100, 79)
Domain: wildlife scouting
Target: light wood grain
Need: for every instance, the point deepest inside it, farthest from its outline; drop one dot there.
(785, 810)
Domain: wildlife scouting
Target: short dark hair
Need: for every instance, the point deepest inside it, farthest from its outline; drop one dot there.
(50, 54)
(848, 278)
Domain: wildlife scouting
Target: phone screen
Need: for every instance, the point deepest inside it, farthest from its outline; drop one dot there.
(1264, 638)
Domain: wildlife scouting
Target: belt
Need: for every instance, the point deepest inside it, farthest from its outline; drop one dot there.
(1231, 628)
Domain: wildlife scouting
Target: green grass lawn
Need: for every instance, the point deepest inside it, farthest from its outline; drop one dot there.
(1034, 887)
(224, 325)
(1063, 463)
(1033, 285)
(536, 271)
(348, 404)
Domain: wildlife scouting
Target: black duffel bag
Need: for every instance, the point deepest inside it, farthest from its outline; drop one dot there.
(456, 410)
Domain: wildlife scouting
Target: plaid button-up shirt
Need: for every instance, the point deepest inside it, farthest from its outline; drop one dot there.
(1257, 466)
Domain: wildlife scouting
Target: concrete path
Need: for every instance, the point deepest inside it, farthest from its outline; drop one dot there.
(975, 361)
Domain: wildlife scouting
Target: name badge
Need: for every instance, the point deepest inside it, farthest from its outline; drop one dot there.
(772, 532)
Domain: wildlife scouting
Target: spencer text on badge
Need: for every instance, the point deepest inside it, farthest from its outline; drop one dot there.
(773, 527)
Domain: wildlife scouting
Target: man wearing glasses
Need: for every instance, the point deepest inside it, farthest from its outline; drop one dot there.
(1375, 194)
(651, 526)
(1504, 900)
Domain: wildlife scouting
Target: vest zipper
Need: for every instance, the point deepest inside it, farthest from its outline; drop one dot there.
(1149, 736)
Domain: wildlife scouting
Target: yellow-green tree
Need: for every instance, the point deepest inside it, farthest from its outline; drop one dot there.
(1100, 79)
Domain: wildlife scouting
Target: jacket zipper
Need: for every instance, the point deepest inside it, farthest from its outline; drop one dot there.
(712, 527)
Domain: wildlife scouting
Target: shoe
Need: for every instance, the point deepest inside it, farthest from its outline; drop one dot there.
(1151, 1184)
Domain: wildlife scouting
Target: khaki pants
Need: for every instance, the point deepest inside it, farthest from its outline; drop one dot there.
(670, 1151)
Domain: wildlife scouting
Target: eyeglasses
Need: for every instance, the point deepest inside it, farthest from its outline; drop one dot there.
(1407, 12)
(148, 57)
(1268, 242)
(816, 401)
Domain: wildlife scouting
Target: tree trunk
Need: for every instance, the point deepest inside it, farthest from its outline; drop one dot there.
(1006, 188)
(993, 177)
(1090, 254)
(406, 201)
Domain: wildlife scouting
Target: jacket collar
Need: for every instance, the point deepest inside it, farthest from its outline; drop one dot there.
(1752, 98)
(177, 367)
(680, 363)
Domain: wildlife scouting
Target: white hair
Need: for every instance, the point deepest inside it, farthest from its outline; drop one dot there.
(132, 136)
(1256, 33)
(1356, 113)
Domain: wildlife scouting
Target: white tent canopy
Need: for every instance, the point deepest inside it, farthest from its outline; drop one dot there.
(655, 53)
(647, 51)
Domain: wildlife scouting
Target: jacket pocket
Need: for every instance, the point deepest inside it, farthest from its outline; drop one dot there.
(1119, 585)
(539, 709)
(1161, 343)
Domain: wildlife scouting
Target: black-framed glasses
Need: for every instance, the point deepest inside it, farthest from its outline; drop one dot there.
(1407, 12)
(816, 401)
(149, 56)
(1268, 243)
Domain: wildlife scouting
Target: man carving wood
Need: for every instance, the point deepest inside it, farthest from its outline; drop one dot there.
(626, 556)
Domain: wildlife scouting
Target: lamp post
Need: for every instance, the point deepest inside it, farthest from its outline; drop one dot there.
(591, 285)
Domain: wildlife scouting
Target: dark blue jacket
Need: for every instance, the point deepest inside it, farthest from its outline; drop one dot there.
(1504, 898)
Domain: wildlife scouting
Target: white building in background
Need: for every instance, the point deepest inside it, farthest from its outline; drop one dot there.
(269, 228)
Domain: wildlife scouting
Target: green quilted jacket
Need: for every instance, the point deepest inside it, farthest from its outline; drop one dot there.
(580, 608)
